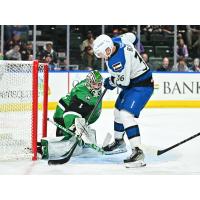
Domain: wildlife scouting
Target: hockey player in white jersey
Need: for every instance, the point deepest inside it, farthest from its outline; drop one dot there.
(129, 72)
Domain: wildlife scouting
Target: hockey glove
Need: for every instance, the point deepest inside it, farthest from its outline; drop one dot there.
(87, 134)
(109, 83)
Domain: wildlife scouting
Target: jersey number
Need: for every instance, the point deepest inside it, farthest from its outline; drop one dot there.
(120, 78)
(141, 60)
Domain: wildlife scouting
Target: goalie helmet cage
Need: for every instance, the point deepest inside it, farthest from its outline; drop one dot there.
(23, 90)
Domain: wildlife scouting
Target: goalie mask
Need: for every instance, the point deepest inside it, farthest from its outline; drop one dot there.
(94, 82)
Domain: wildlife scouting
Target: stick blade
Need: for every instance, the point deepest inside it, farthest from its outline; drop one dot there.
(59, 161)
(65, 158)
(160, 152)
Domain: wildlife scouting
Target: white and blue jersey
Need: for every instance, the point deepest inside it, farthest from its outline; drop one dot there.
(126, 64)
(131, 74)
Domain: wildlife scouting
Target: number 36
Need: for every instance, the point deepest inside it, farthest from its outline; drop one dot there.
(120, 78)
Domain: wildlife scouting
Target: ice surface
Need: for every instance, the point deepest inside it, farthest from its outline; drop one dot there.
(159, 128)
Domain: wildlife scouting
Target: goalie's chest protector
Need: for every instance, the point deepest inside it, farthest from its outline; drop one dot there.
(85, 95)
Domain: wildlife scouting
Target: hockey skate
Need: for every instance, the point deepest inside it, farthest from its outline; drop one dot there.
(118, 146)
(136, 159)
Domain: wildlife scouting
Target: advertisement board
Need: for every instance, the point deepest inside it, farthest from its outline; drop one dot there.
(170, 89)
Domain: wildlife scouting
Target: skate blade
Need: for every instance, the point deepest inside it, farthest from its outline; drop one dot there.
(115, 151)
(135, 164)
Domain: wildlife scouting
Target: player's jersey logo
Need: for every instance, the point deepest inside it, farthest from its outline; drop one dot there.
(117, 66)
(129, 48)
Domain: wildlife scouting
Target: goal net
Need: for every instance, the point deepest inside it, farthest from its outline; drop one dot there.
(20, 100)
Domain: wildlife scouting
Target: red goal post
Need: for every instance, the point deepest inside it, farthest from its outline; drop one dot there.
(23, 89)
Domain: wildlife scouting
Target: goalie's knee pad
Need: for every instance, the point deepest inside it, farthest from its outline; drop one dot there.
(78, 150)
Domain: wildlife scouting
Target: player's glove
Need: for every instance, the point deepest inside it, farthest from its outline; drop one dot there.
(109, 83)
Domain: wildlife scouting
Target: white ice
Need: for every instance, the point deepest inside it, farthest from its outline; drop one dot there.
(159, 128)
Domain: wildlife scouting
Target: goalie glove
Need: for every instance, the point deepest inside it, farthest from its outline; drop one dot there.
(87, 134)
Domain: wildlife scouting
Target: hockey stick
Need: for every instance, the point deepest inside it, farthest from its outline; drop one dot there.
(94, 109)
(93, 146)
(65, 158)
(154, 151)
(160, 152)
(68, 155)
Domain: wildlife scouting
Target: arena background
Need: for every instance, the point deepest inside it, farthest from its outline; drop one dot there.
(81, 12)
(171, 51)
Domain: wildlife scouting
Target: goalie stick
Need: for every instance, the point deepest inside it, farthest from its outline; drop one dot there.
(93, 146)
(65, 158)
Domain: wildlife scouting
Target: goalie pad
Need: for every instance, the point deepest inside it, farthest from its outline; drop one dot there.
(57, 147)
(87, 134)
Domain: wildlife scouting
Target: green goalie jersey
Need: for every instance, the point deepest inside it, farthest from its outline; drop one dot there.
(79, 103)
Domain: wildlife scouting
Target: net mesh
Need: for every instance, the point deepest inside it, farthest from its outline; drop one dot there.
(16, 109)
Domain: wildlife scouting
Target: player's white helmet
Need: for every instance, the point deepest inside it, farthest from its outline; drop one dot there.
(101, 44)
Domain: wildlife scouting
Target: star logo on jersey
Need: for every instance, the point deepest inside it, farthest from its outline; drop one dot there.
(117, 66)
